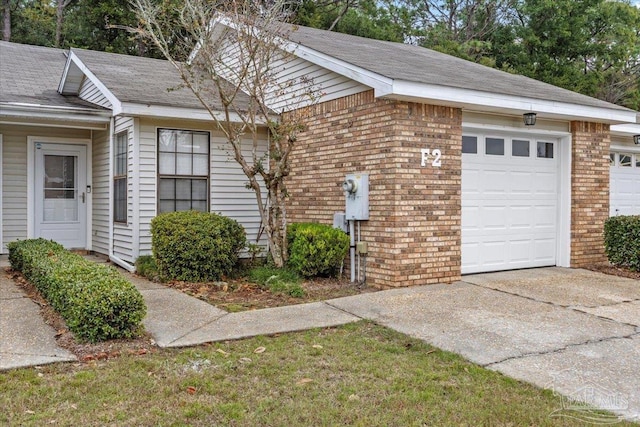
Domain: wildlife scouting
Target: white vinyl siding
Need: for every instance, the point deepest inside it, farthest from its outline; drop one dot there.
(100, 192)
(296, 79)
(228, 193)
(90, 93)
(14, 180)
(123, 241)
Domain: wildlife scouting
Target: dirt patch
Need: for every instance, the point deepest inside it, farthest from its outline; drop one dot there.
(85, 352)
(615, 271)
(239, 294)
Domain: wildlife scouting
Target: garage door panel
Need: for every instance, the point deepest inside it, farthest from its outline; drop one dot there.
(509, 212)
(493, 182)
(625, 185)
(545, 217)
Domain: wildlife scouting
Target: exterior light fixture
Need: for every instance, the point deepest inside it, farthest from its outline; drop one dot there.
(636, 139)
(529, 119)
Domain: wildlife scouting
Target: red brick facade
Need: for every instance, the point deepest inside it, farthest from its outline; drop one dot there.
(589, 191)
(414, 226)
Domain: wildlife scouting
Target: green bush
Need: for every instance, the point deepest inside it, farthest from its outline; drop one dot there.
(316, 249)
(96, 301)
(277, 280)
(196, 246)
(622, 241)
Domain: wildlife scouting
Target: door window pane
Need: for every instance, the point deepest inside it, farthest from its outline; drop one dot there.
(494, 146)
(545, 150)
(470, 144)
(60, 192)
(520, 148)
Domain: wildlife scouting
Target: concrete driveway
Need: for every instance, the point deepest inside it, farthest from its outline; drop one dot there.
(574, 331)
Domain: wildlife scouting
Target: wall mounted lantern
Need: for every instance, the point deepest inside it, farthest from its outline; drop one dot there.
(636, 139)
(529, 119)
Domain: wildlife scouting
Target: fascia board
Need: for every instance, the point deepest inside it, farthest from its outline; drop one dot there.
(62, 86)
(168, 112)
(381, 84)
(518, 104)
(68, 114)
(115, 102)
(626, 129)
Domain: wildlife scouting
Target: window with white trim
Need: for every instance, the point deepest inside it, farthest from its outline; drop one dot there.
(183, 170)
(120, 177)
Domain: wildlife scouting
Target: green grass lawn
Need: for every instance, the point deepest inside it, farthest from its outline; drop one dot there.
(359, 374)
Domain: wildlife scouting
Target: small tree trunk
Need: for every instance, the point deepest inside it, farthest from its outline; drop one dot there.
(60, 20)
(6, 22)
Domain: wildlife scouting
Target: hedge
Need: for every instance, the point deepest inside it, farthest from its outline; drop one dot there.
(96, 301)
(622, 241)
(195, 246)
(316, 249)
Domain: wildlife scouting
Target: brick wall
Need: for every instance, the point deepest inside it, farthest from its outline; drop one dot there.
(589, 191)
(414, 226)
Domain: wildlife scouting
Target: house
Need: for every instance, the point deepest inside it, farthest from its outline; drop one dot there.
(458, 183)
(94, 145)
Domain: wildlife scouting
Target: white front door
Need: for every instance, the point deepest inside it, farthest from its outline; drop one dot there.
(60, 193)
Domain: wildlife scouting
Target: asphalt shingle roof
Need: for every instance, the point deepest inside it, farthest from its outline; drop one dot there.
(31, 74)
(140, 80)
(420, 65)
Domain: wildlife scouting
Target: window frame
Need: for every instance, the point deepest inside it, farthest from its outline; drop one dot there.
(120, 214)
(175, 176)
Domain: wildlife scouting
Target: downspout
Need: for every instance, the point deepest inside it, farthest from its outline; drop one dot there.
(112, 257)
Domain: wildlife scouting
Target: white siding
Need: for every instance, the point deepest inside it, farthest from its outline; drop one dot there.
(148, 179)
(295, 79)
(100, 192)
(89, 92)
(14, 179)
(123, 233)
(228, 194)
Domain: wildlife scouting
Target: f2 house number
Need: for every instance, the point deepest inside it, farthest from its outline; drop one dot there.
(431, 156)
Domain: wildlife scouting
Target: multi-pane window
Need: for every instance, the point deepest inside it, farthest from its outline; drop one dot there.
(183, 170)
(120, 178)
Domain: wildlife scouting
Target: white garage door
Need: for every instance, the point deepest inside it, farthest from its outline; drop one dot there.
(509, 203)
(625, 184)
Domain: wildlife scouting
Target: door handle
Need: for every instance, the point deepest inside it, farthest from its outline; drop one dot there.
(82, 197)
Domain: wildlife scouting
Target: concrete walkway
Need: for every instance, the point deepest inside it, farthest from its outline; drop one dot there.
(573, 331)
(25, 340)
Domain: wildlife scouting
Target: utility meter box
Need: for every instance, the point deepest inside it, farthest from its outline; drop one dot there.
(356, 190)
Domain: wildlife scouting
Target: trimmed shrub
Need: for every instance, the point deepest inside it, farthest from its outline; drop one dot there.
(196, 246)
(622, 241)
(316, 249)
(96, 301)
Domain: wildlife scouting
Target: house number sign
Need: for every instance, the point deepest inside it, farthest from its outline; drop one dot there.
(431, 156)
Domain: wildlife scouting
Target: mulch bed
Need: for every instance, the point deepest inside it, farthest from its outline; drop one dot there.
(239, 294)
(615, 271)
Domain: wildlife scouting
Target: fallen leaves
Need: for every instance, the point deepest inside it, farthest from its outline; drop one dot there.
(259, 350)
(191, 390)
(304, 381)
